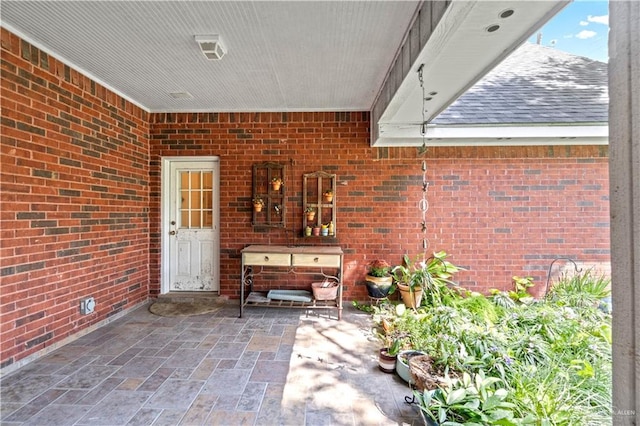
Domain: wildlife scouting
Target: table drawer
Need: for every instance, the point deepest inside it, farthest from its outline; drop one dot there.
(273, 259)
(330, 261)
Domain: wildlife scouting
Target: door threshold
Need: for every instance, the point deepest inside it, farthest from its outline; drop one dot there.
(192, 296)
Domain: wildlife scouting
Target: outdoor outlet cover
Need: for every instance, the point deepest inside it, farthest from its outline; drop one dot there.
(87, 305)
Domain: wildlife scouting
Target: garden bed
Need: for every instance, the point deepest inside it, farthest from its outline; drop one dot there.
(516, 360)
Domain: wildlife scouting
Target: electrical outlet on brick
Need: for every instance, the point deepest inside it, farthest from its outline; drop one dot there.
(87, 305)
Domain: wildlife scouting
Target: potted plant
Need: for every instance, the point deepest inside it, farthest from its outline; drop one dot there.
(387, 357)
(379, 281)
(276, 182)
(431, 277)
(328, 195)
(402, 364)
(258, 203)
(408, 283)
(310, 212)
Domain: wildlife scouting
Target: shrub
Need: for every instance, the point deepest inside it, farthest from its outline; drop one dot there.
(546, 361)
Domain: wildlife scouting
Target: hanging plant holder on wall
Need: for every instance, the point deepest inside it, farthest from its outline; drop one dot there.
(268, 196)
(319, 205)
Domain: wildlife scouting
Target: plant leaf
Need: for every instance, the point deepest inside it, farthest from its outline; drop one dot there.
(492, 402)
(501, 393)
(456, 396)
(474, 404)
(501, 414)
(504, 422)
(442, 415)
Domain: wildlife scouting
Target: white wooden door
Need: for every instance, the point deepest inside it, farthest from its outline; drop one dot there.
(192, 227)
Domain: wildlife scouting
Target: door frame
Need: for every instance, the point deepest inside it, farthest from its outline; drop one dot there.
(165, 206)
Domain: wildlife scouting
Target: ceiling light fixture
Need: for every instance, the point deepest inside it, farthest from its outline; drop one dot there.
(211, 46)
(506, 13)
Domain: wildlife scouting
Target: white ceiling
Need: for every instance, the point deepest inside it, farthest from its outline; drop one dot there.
(281, 55)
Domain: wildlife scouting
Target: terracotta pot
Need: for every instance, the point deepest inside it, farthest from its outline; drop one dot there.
(311, 216)
(276, 186)
(328, 198)
(411, 299)
(257, 207)
(316, 231)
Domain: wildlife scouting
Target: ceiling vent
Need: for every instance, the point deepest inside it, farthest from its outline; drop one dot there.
(181, 95)
(211, 46)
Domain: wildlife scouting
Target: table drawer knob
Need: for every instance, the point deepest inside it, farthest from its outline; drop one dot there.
(316, 259)
(266, 258)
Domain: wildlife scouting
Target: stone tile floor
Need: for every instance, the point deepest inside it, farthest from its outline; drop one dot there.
(271, 367)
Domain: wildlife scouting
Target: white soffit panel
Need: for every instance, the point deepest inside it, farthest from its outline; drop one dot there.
(460, 52)
(498, 135)
(280, 56)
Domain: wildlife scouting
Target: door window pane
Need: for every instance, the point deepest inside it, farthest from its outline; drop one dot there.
(196, 199)
(208, 219)
(207, 202)
(195, 219)
(195, 180)
(207, 180)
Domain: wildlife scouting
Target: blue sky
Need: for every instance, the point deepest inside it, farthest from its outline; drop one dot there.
(581, 28)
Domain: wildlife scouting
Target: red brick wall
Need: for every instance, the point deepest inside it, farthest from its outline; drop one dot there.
(496, 212)
(74, 186)
(80, 191)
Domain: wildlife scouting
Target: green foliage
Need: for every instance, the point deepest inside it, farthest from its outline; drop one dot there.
(480, 307)
(434, 275)
(379, 268)
(580, 290)
(472, 400)
(394, 349)
(521, 289)
(542, 362)
(522, 284)
(362, 307)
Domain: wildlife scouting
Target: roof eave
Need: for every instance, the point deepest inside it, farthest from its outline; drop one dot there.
(494, 135)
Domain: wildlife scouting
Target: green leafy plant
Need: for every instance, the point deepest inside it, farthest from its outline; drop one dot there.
(394, 348)
(362, 307)
(433, 275)
(552, 357)
(521, 289)
(379, 268)
(471, 400)
(581, 290)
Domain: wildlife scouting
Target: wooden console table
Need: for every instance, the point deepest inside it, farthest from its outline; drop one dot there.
(310, 260)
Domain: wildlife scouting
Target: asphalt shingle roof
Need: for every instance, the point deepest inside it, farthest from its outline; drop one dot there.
(535, 84)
